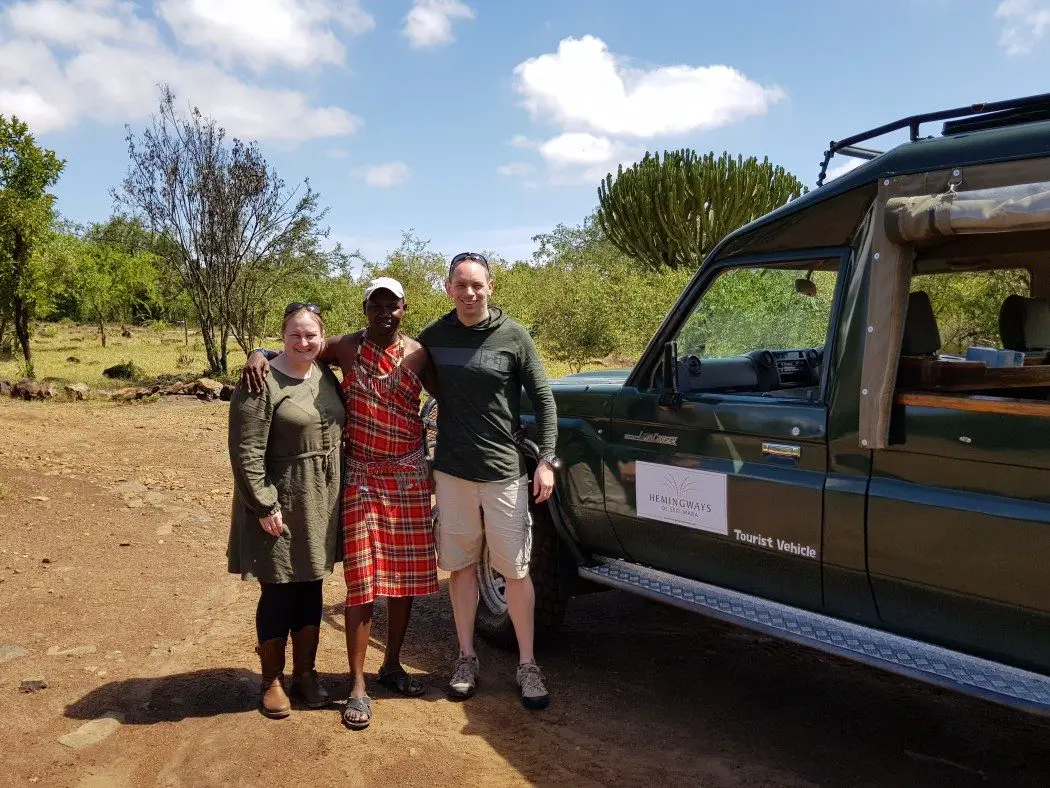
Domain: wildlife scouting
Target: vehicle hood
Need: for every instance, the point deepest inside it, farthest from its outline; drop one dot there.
(594, 376)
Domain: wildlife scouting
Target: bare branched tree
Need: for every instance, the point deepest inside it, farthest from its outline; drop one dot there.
(228, 224)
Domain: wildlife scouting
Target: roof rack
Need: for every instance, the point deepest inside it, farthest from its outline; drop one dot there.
(993, 114)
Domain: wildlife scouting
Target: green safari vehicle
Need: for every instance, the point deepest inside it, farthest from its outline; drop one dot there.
(838, 465)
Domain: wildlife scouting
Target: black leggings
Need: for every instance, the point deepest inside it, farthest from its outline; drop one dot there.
(287, 607)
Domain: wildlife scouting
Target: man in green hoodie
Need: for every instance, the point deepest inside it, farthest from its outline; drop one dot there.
(483, 360)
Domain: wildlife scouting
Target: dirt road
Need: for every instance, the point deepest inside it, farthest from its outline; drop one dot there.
(113, 591)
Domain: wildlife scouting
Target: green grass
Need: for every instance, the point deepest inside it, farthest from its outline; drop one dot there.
(156, 351)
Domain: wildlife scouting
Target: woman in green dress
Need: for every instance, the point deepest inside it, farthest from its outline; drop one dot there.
(284, 447)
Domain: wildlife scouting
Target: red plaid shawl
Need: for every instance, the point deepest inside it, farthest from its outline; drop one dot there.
(389, 544)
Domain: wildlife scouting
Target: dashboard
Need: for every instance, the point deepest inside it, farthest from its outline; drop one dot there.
(774, 372)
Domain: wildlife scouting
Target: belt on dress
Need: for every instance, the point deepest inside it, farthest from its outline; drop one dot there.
(324, 452)
(412, 460)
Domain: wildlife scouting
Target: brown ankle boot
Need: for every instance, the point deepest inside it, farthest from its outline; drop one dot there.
(304, 653)
(274, 702)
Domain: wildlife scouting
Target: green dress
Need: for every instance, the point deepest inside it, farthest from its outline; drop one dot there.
(284, 448)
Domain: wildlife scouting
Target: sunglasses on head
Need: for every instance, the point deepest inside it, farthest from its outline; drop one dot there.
(295, 306)
(463, 257)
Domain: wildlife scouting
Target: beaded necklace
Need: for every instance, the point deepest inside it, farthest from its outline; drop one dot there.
(392, 377)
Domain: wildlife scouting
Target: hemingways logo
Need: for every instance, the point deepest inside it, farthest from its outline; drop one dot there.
(695, 499)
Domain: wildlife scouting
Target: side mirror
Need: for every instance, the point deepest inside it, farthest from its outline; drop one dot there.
(670, 397)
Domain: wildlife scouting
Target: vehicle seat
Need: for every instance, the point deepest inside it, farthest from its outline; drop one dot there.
(921, 335)
(1024, 324)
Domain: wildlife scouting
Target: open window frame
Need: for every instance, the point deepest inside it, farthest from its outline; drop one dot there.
(963, 214)
(647, 373)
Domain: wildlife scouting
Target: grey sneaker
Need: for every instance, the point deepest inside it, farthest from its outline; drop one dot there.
(464, 676)
(533, 691)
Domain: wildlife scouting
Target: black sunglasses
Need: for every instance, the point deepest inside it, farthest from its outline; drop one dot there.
(464, 256)
(295, 306)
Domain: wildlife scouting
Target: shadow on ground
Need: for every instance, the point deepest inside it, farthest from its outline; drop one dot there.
(641, 692)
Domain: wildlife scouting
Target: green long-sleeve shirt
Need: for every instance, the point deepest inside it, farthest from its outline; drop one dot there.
(481, 371)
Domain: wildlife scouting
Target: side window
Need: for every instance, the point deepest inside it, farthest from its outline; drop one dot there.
(966, 306)
(976, 334)
(760, 329)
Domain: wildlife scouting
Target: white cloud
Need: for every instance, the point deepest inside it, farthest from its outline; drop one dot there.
(841, 169)
(521, 141)
(516, 169)
(1025, 22)
(429, 22)
(604, 106)
(578, 157)
(583, 87)
(578, 148)
(384, 176)
(108, 68)
(71, 23)
(258, 33)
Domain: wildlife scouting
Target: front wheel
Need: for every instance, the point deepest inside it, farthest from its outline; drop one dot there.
(493, 619)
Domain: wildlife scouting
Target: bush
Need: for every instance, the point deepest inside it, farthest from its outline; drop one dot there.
(185, 361)
(48, 331)
(126, 370)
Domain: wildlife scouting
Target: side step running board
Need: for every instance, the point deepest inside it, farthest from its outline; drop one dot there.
(1010, 686)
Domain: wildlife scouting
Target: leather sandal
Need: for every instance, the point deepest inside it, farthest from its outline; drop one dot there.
(362, 706)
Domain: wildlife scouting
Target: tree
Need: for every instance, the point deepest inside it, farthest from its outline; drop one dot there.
(110, 277)
(670, 213)
(27, 171)
(227, 223)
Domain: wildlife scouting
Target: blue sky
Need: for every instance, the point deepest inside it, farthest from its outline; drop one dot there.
(480, 123)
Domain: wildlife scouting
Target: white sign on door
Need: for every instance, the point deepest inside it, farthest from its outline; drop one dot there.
(695, 499)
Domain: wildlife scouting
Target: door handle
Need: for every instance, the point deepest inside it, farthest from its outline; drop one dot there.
(781, 453)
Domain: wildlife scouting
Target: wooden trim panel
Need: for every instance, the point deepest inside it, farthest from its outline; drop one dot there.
(1001, 405)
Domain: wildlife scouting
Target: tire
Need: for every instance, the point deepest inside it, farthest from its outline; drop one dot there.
(493, 622)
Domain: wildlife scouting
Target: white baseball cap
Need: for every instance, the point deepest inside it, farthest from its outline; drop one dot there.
(384, 283)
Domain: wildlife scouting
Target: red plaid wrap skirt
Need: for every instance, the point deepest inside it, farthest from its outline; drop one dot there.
(388, 535)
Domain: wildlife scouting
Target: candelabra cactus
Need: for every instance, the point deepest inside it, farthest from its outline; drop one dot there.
(671, 212)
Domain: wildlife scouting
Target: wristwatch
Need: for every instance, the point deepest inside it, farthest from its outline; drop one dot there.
(551, 459)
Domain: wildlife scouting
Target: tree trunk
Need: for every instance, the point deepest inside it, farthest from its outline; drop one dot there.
(22, 332)
(102, 330)
(224, 349)
(210, 350)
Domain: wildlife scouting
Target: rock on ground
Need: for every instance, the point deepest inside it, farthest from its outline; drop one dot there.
(32, 684)
(76, 651)
(10, 652)
(31, 390)
(77, 391)
(94, 732)
(208, 388)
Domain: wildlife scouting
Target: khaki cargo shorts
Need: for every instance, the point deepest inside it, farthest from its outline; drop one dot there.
(461, 533)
